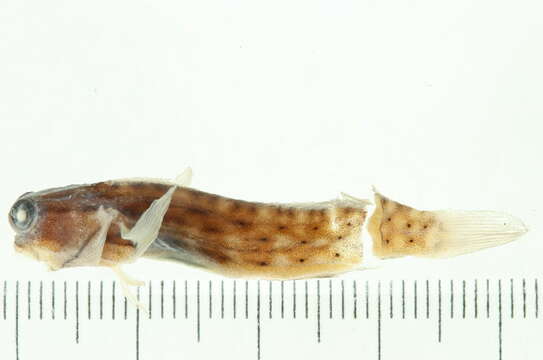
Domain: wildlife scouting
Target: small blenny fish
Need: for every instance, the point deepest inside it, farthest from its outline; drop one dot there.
(116, 222)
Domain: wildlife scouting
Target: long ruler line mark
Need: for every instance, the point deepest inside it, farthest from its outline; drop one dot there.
(174, 299)
(222, 299)
(524, 298)
(150, 305)
(427, 299)
(415, 305)
(138, 325)
(41, 300)
(198, 310)
(318, 311)
(439, 310)
(89, 299)
(186, 300)
(500, 319)
(379, 320)
(355, 302)
(53, 300)
(270, 304)
(306, 302)
(77, 312)
(17, 320)
(258, 320)
(101, 300)
(29, 299)
(210, 299)
(536, 299)
(512, 299)
(246, 299)
(452, 299)
(282, 299)
(234, 299)
(162, 299)
(65, 300)
(113, 302)
(125, 305)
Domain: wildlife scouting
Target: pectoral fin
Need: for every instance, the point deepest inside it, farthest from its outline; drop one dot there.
(146, 229)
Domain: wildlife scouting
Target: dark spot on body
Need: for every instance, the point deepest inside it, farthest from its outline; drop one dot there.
(263, 263)
(389, 219)
(304, 242)
(337, 254)
(426, 226)
(340, 237)
(411, 240)
(349, 223)
(302, 260)
(387, 241)
(193, 210)
(282, 227)
(211, 229)
(241, 223)
(196, 194)
(408, 225)
(263, 239)
(315, 228)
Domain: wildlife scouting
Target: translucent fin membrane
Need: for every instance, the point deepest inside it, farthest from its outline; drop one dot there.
(463, 232)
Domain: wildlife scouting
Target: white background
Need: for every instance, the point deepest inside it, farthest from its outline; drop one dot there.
(438, 104)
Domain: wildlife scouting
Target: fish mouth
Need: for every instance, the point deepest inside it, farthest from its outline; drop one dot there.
(21, 244)
(17, 247)
(38, 255)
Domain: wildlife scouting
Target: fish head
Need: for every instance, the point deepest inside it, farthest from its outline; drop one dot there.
(60, 227)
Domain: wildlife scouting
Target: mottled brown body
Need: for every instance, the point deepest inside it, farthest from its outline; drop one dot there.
(399, 230)
(242, 238)
(229, 236)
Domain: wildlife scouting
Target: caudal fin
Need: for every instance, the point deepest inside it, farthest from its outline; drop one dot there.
(463, 232)
(399, 230)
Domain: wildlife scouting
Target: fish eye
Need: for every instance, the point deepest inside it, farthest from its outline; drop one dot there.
(22, 214)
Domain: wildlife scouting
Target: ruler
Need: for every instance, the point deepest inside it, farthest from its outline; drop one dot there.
(197, 319)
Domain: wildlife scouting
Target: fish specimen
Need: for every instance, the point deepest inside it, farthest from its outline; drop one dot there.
(116, 222)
